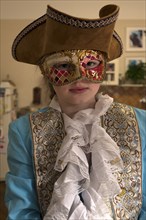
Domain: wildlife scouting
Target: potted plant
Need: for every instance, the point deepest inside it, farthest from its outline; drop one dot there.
(136, 73)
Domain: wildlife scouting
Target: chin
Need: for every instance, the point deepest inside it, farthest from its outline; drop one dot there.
(82, 100)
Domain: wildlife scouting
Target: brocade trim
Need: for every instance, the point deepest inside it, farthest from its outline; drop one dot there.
(48, 133)
(120, 123)
(81, 23)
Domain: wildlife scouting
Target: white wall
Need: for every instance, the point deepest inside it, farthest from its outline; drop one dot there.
(32, 9)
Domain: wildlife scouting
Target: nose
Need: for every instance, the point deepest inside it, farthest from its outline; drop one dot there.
(82, 70)
(81, 80)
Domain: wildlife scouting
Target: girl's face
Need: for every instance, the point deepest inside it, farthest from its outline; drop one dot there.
(81, 93)
(75, 76)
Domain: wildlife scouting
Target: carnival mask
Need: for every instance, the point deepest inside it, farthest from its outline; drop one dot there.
(68, 66)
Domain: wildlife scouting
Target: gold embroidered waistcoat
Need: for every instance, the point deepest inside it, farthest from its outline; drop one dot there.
(121, 124)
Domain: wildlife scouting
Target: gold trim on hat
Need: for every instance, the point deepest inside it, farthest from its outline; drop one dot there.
(81, 23)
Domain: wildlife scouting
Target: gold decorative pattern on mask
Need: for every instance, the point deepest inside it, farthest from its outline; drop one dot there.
(68, 66)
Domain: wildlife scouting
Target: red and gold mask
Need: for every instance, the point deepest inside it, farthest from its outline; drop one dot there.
(69, 66)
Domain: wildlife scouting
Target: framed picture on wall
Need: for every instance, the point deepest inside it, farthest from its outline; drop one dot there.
(136, 39)
(134, 61)
(112, 72)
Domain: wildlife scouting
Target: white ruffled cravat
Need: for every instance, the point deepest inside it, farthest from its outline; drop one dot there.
(80, 191)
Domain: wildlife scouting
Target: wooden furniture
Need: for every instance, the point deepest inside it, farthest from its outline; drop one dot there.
(131, 94)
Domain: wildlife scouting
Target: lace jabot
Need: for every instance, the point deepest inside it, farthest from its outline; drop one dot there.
(80, 190)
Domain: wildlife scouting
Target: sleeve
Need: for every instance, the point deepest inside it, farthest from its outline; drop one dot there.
(141, 117)
(21, 195)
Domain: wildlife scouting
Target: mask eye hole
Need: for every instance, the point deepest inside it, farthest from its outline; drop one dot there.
(64, 66)
(92, 64)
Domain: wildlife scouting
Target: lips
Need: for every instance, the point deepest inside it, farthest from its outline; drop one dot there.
(78, 89)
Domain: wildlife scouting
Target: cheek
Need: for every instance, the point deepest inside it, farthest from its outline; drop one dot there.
(60, 90)
(95, 87)
(57, 89)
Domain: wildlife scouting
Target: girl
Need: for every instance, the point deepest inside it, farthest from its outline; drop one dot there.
(83, 156)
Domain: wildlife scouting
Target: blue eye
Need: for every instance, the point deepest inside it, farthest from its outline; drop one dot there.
(92, 64)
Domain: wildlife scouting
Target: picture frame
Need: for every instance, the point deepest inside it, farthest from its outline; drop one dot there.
(112, 74)
(135, 39)
(134, 60)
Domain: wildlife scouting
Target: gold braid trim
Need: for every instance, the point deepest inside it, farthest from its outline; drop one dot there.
(48, 133)
(121, 124)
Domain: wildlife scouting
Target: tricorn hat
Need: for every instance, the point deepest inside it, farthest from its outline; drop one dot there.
(56, 31)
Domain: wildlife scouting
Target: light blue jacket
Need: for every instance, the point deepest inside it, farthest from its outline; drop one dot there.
(21, 194)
